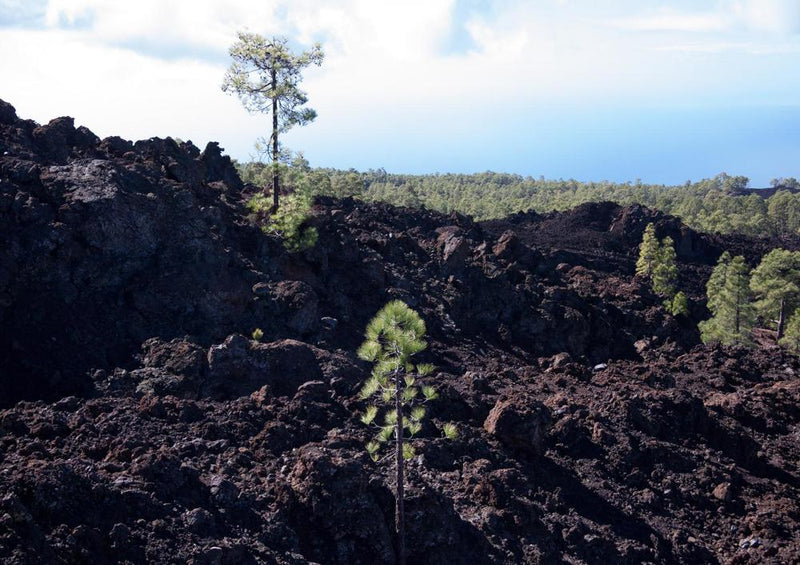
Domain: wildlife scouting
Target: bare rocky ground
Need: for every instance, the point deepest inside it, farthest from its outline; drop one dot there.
(140, 425)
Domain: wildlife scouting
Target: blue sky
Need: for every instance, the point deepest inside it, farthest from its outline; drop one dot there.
(619, 90)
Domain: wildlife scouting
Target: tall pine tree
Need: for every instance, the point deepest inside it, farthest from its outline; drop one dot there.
(776, 284)
(716, 281)
(265, 75)
(665, 271)
(729, 299)
(648, 251)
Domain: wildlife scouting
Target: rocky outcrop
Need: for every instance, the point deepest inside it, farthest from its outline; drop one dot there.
(108, 243)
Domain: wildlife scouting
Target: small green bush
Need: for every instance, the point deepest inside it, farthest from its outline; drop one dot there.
(679, 305)
(289, 220)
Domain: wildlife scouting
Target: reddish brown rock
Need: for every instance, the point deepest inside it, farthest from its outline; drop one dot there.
(520, 423)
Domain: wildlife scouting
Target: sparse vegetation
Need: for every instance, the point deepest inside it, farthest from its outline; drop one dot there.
(289, 221)
(393, 337)
(211, 447)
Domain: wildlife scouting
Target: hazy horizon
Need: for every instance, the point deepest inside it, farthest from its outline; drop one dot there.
(664, 92)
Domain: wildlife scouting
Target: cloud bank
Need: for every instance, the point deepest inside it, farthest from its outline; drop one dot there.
(398, 74)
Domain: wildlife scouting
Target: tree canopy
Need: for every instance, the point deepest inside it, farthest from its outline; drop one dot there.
(265, 75)
(776, 284)
(729, 300)
(709, 205)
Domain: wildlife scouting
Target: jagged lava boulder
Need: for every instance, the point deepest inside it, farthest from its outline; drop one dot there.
(108, 243)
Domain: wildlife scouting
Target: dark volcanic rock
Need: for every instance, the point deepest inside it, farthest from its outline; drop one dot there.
(297, 302)
(520, 423)
(593, 427)
(103, 250)
(8, 114)
(239, 367)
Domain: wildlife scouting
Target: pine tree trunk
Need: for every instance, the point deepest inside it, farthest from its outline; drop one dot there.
(275, 172)
(781, 318)
(400, 518)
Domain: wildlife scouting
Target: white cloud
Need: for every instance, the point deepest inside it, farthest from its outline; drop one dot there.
(384, 68)
(740, 47)
(498, 43)
(206, 23)
(734, 16)
(115, 91)
(774, 16)
(671, 20)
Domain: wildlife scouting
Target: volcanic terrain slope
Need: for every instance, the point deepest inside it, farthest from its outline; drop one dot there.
(140, 424)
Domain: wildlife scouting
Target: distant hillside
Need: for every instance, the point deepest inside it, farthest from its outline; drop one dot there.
(722, 204)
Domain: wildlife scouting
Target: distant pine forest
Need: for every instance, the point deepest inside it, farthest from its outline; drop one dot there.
(723, 204)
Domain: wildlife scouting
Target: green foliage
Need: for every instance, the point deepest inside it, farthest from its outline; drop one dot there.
(788, 182)
(679, 305)
(776, 284)
(716, 282)
(791, 339)
(289, 221)
(657, 261)
(264, 71)
(784, 212)
(648, 251)
(729, 300)
(258, 334)
(392, 338)
(710, 205)
(665, 271)
(369, 414)
(265, 75)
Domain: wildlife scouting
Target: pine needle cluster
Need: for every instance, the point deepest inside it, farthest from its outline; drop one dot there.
(394, 336)
(289, 221)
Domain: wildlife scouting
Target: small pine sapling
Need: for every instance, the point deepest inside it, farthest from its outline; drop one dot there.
(648, 251)
(393, 337)
(679, 305)
(665, 272)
